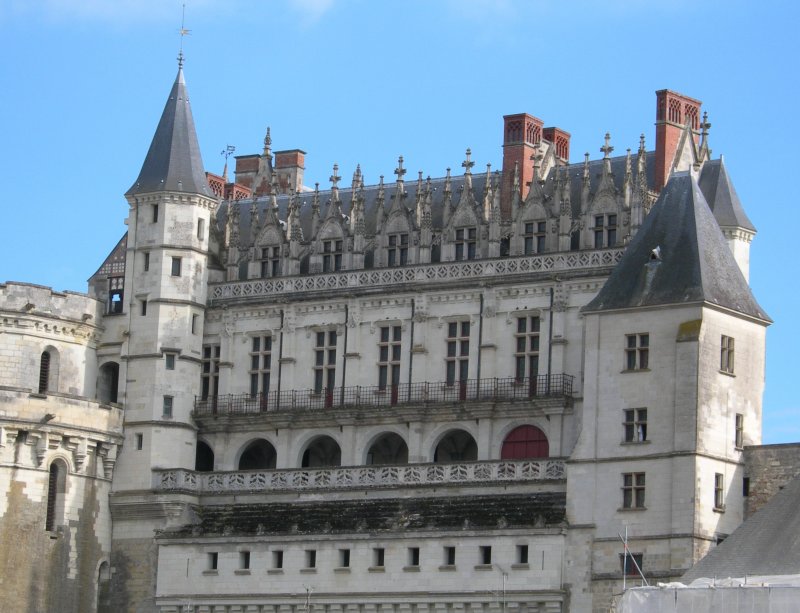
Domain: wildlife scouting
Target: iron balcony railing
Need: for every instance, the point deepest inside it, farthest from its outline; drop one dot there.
(541, 386)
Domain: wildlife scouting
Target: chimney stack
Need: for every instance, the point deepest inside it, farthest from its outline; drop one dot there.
(673, 111)
(290, 165)
(521, 134)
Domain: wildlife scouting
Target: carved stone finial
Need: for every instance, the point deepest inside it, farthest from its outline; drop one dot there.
(400, 171)
(335, 178)
(607, 148)
(267, 143)
(467, 163)
(641, 142)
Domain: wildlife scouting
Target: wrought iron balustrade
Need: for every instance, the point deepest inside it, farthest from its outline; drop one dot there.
(376, 476)
(542, 386)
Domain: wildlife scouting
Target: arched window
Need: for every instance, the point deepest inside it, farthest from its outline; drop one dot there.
(258, 455)
(56, 489)
(322, 451)
(525, 442)
(456, 446)
(388, 449)
(108, 382)
(44, 372)
(204, 457)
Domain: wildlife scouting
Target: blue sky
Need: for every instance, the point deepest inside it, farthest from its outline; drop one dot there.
(363, 81)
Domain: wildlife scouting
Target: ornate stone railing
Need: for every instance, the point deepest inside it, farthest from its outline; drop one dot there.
(263, 481)
(421, 273)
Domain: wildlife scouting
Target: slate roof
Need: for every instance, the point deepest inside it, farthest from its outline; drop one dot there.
(376, 515)
(721, 196)
(768, 543)
(173, 162)
(695, 265)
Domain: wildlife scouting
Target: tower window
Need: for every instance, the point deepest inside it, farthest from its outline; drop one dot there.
(719, 492)
(738, 440)
(605, 231)
(637, 351)
(635, 425)
(397, 254)
(155, 213)
(115, 294)
(629, 563)
(633, 490)
(56, 488)
(143, 307)
(331, 255)
(534, 237)
(139, 441)
(44, 372)
(194, 324)
(270, 262)
(726, 355)
(168, 406)
(201, 229)
(466, 243)
(169, 361)
(146, 261)
(176, 267)
(209, 378)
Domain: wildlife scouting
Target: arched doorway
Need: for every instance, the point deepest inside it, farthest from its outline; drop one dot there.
(390, 448)
(204, 457)
(258, 455)
(525, 442)
(456, 446)
(321, 452)
(108, 382)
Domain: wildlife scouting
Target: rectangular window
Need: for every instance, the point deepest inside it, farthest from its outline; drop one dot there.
(628, 563)
(378, 554)
(176, 267)
(155, 213)
(738, 440)
(116, 287)
(635, 425)
(605, 231)
(726, 355)
(526, 343)
(260, 365)
(344, 558)
(389, 357)
(397, 254)
(325, 362)
(534, 237)
(209, 376)
(719, 491)
(201, 229)
(522, 554)
(449, 556)
(244, 560)
(167, 406)
(457, 360)
(745, 486)
(413, 556)
(143, 307)
(169, 361)
(311, 558)
(486, 554)
(146, 261)
(277, 559)
(270, 262)
(212, 560)
(139, 441)
(637, 351)
(466, 243)
(194, 324)
(331, 255)
(633, 490)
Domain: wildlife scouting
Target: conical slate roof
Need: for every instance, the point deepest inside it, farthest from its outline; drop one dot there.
(173, 162)
(721, 196)
(679, 256)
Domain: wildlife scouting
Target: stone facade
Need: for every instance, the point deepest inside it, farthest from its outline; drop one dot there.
(400, 397)
(768, 468)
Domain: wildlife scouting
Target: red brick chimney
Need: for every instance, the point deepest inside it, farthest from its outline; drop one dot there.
(560, 140)
(289, 165)
(673, 110)
(521, 133)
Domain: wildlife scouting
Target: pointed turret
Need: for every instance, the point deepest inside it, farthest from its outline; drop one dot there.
(173, 162)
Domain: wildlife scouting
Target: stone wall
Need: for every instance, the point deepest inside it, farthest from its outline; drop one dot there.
(768, 468)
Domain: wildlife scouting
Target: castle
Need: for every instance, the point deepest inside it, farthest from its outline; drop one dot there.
(446, 395)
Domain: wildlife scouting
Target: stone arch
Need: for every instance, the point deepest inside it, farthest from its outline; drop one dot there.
(48, 370)
(386, 448)
(258, 454)
(108, 383)
(456, 445)
(525, 442)
(103, 590)
(320, 452)
(56, 494)
(204, 457)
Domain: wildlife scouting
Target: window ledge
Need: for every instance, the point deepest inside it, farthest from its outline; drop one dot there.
(484, 567)
(274, 571)
(210, 573)
(341, 570)
(521, 566)
(629, 509)
(447, 567)
(644, 442)
(719, 509)
(241, 571)
(727, 374)
(411, 569)
(376, 569)
(630, 370)
(308, 571)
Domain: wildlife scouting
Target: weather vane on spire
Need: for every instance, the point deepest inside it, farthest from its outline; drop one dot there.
(183, 32)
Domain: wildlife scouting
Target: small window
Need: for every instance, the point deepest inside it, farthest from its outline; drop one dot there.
(167, 406)
(344, 558)
(378, 557)
(244, 560)
(277, 559)
(633, 490)
(143, 307)
(176, 267)
(413, 556)
(486, 554)
(522, 554)
(201, 229)
(629, 563)
(139, 441)
(146, 261)
(745, 486)
(311, 558)
(637, 351)
(726, 355)
(212, 560)
(449, 556)
(155, 213)
(44, 372)
(719, 492)
(738, 440)
(194, 324)
(635, 425)
(169, 361)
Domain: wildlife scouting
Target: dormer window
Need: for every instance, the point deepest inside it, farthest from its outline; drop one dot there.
(466, 243)
(535, 233)
(270, 262)
(398, 249)
(605, 231)
(331, 255)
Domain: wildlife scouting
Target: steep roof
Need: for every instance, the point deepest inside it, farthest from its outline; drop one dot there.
(173, 162)
(768, 543)
(693, 261)
(721, 196)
